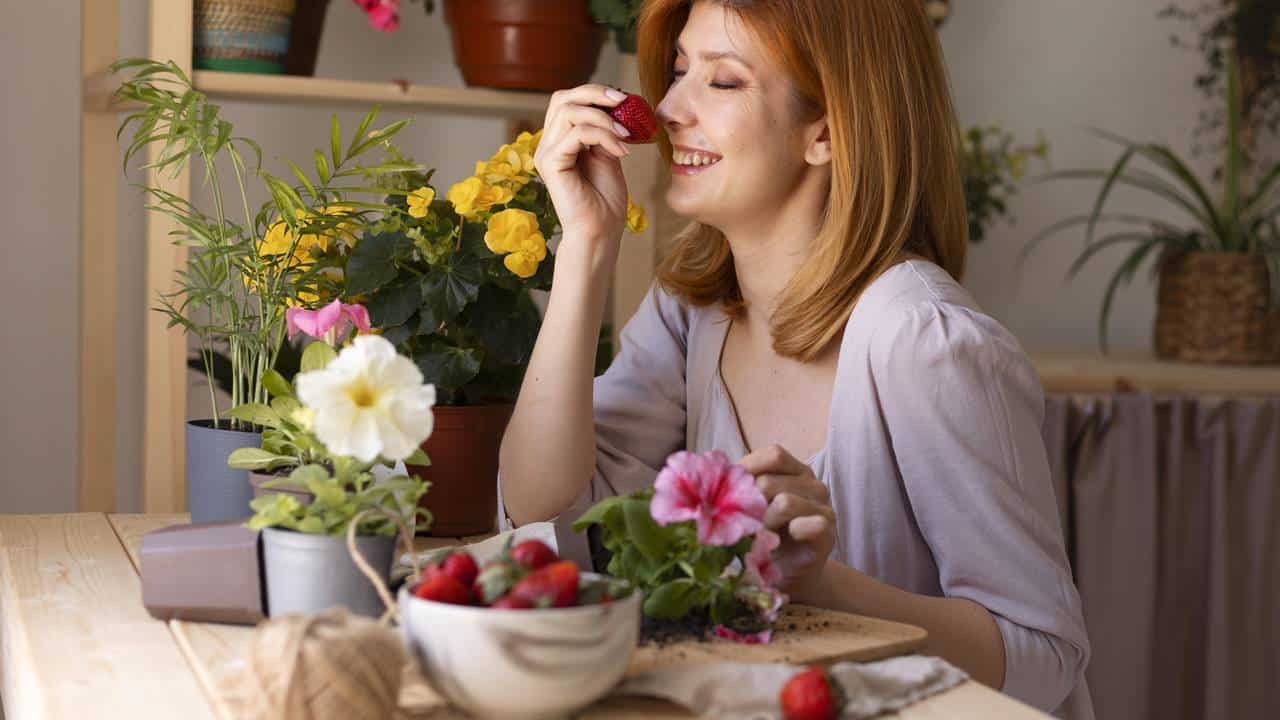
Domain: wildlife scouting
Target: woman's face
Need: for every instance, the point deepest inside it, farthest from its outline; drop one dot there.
(740, 150)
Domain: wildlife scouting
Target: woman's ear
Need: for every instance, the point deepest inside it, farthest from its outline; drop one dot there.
(818, 151)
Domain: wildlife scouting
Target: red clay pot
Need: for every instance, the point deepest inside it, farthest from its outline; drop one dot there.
(542, 45)
(463, 447)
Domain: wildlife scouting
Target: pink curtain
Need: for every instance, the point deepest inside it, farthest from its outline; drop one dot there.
(1171, 506)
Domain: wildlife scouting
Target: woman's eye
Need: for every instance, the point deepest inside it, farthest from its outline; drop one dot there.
(723, 86)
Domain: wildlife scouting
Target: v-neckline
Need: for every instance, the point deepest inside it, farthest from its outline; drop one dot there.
(733, 407)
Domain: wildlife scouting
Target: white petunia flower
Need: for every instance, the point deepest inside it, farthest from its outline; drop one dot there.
(369, 401)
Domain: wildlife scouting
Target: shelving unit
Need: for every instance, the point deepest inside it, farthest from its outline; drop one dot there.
(170, 25)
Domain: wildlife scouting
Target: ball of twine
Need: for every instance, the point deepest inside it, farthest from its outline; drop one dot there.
(330, 666)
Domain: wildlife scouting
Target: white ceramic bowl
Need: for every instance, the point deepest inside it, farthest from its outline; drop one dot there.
(522, 664)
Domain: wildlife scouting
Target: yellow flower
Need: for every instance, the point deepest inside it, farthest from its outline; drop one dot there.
(521, 264)
(508, 230)
(463, 196)
(636, 221)
(420, 202)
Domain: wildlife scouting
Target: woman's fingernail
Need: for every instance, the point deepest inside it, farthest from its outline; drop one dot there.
(614, 94)
(621, 129)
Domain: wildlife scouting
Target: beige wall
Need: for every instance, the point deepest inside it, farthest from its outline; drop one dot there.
(1027, 64)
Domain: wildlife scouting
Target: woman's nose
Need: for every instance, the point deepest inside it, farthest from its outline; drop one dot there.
(673, 111)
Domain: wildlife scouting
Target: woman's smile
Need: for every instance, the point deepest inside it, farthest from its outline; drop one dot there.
(691, 161)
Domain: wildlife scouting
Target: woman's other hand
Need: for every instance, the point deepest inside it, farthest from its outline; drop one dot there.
(800, 512)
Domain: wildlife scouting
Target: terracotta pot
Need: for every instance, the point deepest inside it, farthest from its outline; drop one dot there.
(541, 45)
(463, 448)
(256, 479)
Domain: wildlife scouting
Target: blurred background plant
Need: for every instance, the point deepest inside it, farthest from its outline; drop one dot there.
(991, 166)
(620, 16)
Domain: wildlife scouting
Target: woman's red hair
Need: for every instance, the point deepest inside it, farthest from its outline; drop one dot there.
(875, 69)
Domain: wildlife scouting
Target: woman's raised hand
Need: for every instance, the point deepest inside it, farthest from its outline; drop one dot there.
(578, 158)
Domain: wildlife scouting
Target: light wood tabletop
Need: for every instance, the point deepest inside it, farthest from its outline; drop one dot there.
(76, 642)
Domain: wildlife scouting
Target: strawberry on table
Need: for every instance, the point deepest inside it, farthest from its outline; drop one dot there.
(811, 695)
(533, 554)
(637, 117)
(554, 585)
(443, 587)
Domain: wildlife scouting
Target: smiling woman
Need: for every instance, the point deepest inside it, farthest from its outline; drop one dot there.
(810, 325)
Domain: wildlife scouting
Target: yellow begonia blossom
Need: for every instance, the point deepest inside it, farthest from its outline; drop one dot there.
(463, 196)
(636, 221)
(420, 202)
(515, 233)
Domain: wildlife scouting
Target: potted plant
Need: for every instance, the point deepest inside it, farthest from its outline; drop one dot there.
(620, 17)
(541, 45)
(448, 281)
(241, 276)
(1219, 278)
(696, 545)
(366, 406)
(242, 35)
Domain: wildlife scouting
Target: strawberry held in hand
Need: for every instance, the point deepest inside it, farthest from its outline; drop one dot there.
(637, 117)
(811, 695)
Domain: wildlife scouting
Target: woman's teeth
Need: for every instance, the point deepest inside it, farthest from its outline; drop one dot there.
(694, 159)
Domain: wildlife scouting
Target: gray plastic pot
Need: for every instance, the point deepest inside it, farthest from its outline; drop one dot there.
(310, 573)
(215, 492)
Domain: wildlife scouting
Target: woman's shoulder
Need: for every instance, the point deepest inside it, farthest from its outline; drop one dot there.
(915, 316)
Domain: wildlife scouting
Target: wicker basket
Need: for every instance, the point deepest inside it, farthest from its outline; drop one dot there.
(242, 35)
(1215, 307)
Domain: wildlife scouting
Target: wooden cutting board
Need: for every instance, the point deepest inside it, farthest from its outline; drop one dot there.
(802, 635)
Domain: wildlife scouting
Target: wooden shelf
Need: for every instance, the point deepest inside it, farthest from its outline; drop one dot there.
(1083, 372)
(332, 93)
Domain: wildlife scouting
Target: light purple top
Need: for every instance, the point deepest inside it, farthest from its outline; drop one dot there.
(934, 457)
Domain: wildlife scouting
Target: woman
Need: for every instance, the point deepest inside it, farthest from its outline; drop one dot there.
(811, 311)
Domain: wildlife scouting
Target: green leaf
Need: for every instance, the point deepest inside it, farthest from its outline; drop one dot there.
(671, 600)
(647, 535)
(276, 385)
(448, 289)
(446, 366)
(257, 459)
(302, 178)
(322, 168)
(596, 513)
(1124, 273)
(335, 141)
(506, 323)
(393, 304)
(361, 130)
(1102, 244)
(372, 262)
(418, 457)
(317, 356)
(256, 413)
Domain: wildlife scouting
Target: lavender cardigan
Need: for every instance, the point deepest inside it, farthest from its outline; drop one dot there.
(934, 457)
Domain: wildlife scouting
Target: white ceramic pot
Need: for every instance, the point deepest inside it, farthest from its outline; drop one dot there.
(522, 664)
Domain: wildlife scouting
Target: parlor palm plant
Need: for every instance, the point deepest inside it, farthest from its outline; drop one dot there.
(1237, 221)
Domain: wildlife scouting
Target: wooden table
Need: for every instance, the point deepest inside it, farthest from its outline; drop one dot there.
(76, 642)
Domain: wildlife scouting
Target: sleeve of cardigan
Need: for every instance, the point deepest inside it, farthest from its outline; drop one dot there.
(964, 408)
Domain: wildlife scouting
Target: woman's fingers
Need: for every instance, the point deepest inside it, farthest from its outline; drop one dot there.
(577, 115)
(563, 154)
(772, 459)
(562, 102)
(805, 485)
(788, 506)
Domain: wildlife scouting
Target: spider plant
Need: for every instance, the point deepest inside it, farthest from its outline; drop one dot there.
(1236, 221)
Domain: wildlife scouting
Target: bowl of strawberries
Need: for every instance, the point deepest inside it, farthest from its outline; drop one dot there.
(523, 634)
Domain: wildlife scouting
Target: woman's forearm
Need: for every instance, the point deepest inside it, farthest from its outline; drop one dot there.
(960, 631)
(548, 451)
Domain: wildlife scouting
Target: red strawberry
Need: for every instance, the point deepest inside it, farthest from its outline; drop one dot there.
(533, 554)
(511, 602)
(462, 566)
(811, 695)
(554, 585)
(637, 117)
(442, 587)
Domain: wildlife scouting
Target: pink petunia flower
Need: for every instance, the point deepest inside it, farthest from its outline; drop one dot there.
(758, 638)
(329, 323)
(761, 569)
(385, 15)
(722, 498)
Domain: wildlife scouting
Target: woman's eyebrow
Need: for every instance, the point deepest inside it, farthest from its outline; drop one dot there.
(710, 56)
